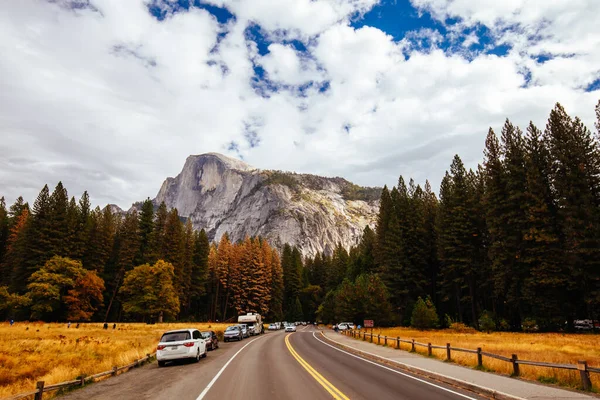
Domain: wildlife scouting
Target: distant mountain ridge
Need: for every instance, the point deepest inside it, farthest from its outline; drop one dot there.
(222, 194)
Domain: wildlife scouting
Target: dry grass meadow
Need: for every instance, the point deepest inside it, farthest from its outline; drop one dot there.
(30, 352)
(547, 347)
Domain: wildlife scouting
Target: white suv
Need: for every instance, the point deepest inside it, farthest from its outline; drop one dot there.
(181, 343)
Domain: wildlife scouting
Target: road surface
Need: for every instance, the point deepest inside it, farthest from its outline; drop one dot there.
(276, 365)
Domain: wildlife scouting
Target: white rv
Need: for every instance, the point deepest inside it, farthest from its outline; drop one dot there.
(254, 323)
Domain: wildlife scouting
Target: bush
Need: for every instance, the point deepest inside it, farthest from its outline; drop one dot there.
(529, 325)
(486, 322)
(424, 315)
(461, 328)
(503, 325)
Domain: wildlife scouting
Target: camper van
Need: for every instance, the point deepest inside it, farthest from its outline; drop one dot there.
(254, 323)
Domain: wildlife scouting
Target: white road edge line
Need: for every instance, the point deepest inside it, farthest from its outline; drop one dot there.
(211, 383)
(393, 370)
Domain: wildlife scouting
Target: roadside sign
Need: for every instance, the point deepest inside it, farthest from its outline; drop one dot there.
(369, 323)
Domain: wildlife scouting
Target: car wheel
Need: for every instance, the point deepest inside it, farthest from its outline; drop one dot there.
(161, 364)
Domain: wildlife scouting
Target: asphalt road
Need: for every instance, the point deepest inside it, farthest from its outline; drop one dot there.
(276, 365)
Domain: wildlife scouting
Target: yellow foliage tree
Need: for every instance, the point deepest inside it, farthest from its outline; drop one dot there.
(149, 291)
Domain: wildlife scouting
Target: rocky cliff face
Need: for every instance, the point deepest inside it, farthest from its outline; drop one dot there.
(221, 194)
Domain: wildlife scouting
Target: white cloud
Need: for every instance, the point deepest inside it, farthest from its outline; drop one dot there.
(112, 100)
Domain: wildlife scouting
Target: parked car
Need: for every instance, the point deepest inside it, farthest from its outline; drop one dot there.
(342, 326)
(303, 323)
(290, 328)
(212, 341)
(245, 332)
(233, 332)
(180, 344)
(273, 327)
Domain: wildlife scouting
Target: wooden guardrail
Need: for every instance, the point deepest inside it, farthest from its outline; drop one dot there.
(41, 387)
(581, 366)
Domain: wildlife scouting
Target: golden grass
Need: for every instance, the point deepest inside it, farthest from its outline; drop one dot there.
(546, 347)
(30, 352)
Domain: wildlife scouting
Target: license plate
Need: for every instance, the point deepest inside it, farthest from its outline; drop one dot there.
(173, 347)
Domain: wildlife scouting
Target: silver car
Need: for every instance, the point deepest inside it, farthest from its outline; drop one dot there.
(245, 332)
(233, 333)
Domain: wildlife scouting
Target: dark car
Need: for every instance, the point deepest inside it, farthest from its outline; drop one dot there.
(233, 333)
(212, 342)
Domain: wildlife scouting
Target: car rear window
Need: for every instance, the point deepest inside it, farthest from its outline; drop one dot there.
(175, 336)
(232, 328)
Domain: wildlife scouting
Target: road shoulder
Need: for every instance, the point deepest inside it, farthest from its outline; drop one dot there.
(486, 384)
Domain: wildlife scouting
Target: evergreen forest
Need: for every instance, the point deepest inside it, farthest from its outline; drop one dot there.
(516, 240)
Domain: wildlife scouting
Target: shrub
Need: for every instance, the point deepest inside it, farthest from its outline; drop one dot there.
(529, 325)
(486, 322)
(461, 328)
(424, 315)
(503, 325)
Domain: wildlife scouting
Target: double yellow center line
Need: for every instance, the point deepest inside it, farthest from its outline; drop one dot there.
(335, 392)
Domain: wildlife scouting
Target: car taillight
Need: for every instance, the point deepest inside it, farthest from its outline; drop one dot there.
(189, 344)
(161, 347)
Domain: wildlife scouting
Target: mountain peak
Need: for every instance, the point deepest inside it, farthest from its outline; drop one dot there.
(223, 195)
(228, 162)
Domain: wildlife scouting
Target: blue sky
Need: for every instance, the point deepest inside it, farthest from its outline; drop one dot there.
(364, 89)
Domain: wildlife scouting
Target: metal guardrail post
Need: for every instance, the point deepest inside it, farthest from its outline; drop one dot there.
(114, 371)
(585, 375)
(448, 355)
(40, 390)
(514, 359)
(398, 342)
(413, 346)
(479, 358)
(371, 338)
(429, 352)
(385, 340)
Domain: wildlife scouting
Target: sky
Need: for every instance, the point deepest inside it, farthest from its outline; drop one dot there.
(111, 96)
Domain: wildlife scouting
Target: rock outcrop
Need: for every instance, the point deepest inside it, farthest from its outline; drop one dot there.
(221, 194)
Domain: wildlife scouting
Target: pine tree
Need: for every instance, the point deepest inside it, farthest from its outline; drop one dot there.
(430, 204)
(58, 228)
(515, 222)
(158, 234)
(291, 278)
(226, 265)
(40, 245)
(544, 287)
(173, 252)
(277, 292)
(146, 228)
(386, 209)
(4, 231)
(82, 232)
(392, 261)
(456, 247)
(100, 240)
(340, 261)
(574, 175)
(495, 205)
(72, 232)
(200, 275)
(126, 245)
(14, 271)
